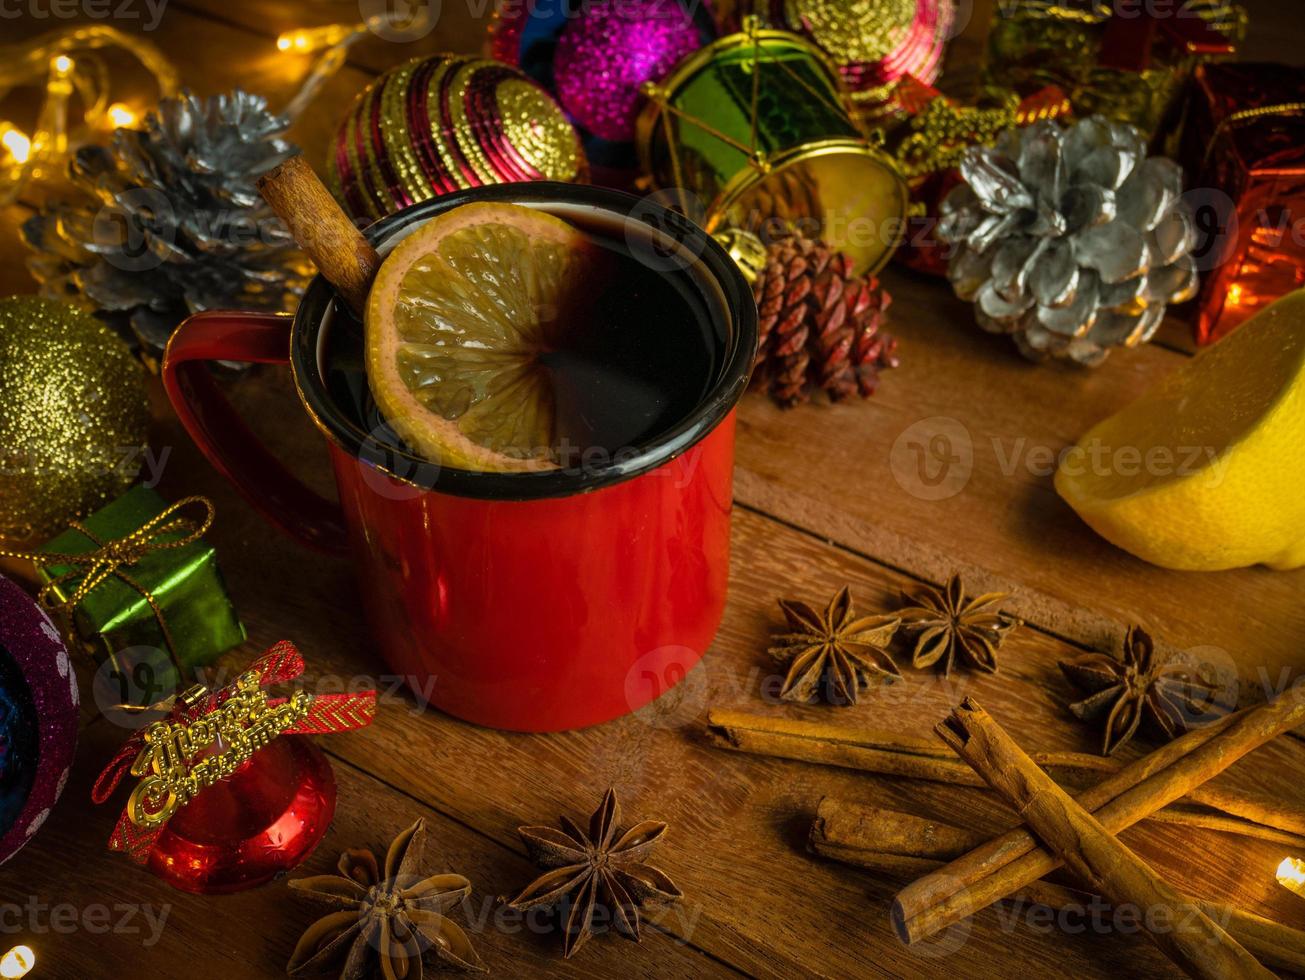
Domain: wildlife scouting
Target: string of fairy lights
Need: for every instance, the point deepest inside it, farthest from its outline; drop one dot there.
(70, 64)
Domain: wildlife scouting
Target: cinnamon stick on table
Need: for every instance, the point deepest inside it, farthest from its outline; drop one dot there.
(883, 839)
(1188, 936)
(1014, 860)
(915, 758)
(321, 228)
(893, 842)
(888, 753)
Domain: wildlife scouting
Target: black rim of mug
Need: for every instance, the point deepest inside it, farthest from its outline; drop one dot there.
(731, 380)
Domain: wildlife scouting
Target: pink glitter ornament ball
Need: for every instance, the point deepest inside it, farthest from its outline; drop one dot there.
(38, 717)
(607, 53)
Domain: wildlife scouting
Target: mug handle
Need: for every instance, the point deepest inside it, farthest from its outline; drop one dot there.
(224, 437)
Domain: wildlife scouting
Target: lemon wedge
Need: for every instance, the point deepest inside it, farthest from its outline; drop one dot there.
(1206, 471)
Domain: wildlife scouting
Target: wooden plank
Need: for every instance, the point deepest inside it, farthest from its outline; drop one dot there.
(738, 823)
(862, 475)
(125, 922)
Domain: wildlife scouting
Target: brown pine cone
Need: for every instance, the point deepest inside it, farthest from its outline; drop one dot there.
(818, 324)
(872, 349)
(781, 293)
(790, 356)
(835, 296)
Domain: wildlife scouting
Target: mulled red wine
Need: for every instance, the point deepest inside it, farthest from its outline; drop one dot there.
(634, 359)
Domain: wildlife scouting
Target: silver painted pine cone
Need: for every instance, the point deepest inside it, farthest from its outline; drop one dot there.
(1070, 239)
(167, 221)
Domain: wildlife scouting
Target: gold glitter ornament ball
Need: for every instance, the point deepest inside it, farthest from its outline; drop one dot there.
(73, 416)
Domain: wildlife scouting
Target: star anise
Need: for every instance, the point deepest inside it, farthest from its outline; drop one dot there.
(950, 626)
(386, 923)
(602, 870)
(1138, 684)
(832, 652)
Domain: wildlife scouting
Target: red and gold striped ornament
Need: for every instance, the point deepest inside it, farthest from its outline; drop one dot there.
(443, 123)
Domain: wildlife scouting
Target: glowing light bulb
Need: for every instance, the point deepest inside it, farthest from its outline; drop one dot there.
(15, 142)
(18, 962)
(336, 39)
(121, 116)
(1291, 875)
(62, 64)
(316, 38)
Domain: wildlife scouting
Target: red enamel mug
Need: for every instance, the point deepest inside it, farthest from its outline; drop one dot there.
(533, 601)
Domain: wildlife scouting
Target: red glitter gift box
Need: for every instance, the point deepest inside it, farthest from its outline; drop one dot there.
(1244, 150)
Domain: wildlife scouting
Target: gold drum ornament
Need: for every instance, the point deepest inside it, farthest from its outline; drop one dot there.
(755, 126)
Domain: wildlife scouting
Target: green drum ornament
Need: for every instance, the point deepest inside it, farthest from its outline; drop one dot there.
(755, 125)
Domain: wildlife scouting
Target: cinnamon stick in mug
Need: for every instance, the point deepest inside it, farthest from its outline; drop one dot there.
(321, 228)
(1100, 860)
(1011, 861)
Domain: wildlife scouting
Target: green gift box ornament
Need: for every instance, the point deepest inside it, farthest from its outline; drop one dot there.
(137, 575)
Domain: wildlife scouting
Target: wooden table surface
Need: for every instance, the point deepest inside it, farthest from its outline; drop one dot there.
(825, 496)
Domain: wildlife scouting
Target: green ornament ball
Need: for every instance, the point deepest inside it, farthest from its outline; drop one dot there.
(73, 417)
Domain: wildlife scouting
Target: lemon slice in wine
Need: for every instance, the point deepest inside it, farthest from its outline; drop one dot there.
(458, 322)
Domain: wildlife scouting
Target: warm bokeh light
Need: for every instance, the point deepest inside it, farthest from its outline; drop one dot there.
(1291, 870)
(121, 116)
(316, 38)
(15, 142)
(18, 962)
(55, 62)
(1291, 875)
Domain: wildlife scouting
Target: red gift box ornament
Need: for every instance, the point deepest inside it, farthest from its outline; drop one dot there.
(1130, 37)
(1244, 143)
(230, 792)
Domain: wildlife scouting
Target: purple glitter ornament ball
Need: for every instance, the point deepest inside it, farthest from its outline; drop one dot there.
(38, 717)
(607, 53)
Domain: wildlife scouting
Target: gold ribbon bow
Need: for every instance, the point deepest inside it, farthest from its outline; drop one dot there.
(112, 557)
(1249, 115)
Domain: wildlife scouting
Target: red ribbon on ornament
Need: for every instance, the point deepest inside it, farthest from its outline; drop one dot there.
(323, 714)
